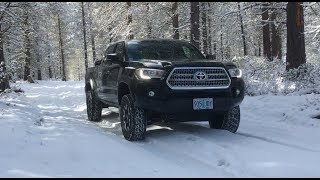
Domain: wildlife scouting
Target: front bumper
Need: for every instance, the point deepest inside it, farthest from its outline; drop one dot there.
(166, 100)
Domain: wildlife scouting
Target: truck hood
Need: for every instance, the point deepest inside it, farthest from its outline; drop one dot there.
(161, 64)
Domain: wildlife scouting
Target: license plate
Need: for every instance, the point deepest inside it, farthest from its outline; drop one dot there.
(202, 103)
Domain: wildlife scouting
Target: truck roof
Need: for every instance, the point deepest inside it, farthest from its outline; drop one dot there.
(156, 39)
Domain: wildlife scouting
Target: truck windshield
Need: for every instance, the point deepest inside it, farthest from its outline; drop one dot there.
(162, 50)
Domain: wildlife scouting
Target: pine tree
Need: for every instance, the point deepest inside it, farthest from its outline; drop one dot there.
(194, 20)
(296, 54)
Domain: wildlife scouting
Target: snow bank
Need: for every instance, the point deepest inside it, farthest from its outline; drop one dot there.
(263, 77)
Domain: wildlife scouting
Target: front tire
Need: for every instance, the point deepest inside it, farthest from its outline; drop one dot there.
(94, 106)
(133, 119)
(229, 121)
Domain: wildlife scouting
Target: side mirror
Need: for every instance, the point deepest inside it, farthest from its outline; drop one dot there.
(112, 57)
(97, 62)
(211, 56)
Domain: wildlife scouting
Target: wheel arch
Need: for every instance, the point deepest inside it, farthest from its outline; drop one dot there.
(123, 89)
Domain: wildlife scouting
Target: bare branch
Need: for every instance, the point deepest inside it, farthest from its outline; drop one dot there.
(2, 13)
(6, 29)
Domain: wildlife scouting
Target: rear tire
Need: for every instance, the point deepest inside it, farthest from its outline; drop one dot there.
(133, 119)
(229, 121)
(94, 106)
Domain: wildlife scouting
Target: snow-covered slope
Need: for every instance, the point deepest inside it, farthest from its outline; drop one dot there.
(44, 132)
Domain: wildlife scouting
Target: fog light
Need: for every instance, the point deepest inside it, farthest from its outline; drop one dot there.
(237, 92)
(151, 93)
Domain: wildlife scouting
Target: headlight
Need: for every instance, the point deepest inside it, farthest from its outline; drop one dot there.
(144, 73)
(235, 72)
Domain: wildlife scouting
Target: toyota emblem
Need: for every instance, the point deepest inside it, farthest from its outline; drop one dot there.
(200, 76)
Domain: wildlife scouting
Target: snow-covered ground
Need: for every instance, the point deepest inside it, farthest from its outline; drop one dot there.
(44, 132)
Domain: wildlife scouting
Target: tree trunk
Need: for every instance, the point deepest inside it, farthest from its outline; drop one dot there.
(276, 47)
(129, 13)
(27, 48)
(259, 50)
(129, 20)
(149, 27)
(221, 41)
(39, 75)
(175, 20)
(61, 49)
(195, 33)
(93, 44)
(84, 38)
(4, 83)
(204, 28)
(296, 54)
(255, 49)
(50, 72)
(209, 32)
(279, 41)
(215, 49)
(242, 31)
(266, 33)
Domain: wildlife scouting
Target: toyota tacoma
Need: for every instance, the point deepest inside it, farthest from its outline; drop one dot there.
(152, 80)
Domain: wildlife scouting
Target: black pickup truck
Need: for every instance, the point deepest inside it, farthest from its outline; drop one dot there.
(155, 80)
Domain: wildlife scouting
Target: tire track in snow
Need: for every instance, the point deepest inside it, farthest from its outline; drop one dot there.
(160, 146)
(223, 153)
(276, 142)
(168, 145)
(192, 150)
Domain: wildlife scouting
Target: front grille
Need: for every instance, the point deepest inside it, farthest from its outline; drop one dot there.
(198, 78)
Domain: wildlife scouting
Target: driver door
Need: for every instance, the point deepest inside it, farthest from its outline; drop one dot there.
(103, 75)
(114, 72)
